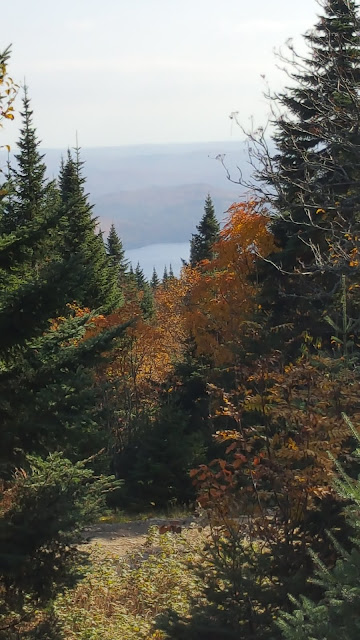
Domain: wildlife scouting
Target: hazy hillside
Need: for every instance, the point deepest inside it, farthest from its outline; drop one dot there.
(159, 214)
(156, 193)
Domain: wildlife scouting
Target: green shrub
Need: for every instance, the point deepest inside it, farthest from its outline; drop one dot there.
(41, 517)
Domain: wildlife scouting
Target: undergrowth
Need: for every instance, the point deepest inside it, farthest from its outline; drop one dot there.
(122, 597)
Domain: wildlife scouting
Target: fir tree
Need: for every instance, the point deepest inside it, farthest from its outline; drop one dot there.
(6, 195)
(40, 534)
(116, 253)
(160, 460)
(316, 138)
(29, 195)
(139, 277)
(315, 171)
(47, 403)
(154, 279)
(29, 181)
(165, 276)
(131, 280)
(171, 273)
(147, 302)
(96, 283)
(45, 498)
(208, 232)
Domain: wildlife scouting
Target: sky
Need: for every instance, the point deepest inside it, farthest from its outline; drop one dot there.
(127, 72)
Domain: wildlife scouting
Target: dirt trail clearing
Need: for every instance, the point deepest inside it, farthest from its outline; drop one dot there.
(125, 537)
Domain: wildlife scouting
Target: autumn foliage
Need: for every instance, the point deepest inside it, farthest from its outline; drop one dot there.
(222, 297)
(235, 386)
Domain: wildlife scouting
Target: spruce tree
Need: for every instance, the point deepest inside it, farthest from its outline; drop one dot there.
(116, 253)
(154, 279)
(165, 276)
(131, 280)
(316, 162)
(161, 459)
(147, 302)
(208, 232)
(28, 177)
(48, 393)
(30, 197)
(43, 513)
(96, 284)
(139, 277)
(46, 405)
(314, 174)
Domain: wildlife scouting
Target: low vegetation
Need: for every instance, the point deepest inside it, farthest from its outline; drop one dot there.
(124, 597)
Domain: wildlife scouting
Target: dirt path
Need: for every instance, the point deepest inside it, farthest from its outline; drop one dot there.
(126, 537)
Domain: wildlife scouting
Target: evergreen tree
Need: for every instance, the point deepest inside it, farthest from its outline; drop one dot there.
(147, 302)
(116, 253)
(139, 277)
(29, 182)
(316, 162)
(315, 172)
(171, 273)
(44, 407)
(29, 195)
(154, 279)
(161, 458)
(96, 284)
(47, 402)
(131, 279)
(165, 276)
(208, 233)
(42, 516)
(6, 193)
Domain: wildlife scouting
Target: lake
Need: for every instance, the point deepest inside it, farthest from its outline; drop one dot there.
(159, 256)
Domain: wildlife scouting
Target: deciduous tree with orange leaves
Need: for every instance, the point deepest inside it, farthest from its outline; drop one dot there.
(138, 371)
(221, 303)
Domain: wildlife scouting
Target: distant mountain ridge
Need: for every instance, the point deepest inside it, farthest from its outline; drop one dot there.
(159, 214)
(155, 193)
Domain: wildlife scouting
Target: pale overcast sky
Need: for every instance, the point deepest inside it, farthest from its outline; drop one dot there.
(147, 71)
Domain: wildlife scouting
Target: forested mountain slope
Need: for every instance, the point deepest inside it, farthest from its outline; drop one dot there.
(153, 193)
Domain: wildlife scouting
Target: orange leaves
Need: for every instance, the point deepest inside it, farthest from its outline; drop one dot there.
(8, 90)
(239, 460)
(75, 311)
(214, 482)
(278, 459)
(157, 345)
(231, 447)
(306, 402)
(193, 473)
(141, 364)
(354, 257)
(222, 292)
(245, 235)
